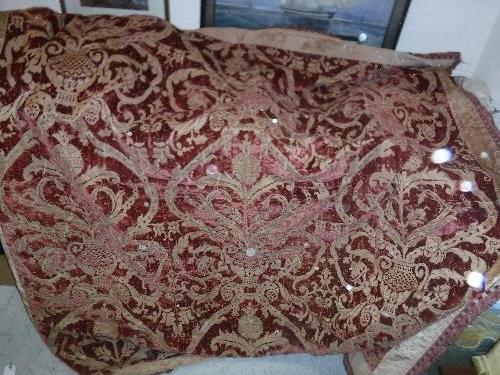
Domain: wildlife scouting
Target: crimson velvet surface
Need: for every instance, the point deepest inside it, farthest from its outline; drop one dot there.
(170, 196)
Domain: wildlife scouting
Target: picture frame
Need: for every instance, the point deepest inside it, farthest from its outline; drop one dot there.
(388, 40)
(158, 8)
(396, 22)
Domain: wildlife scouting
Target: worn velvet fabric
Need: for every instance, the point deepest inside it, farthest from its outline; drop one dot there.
(167, 196)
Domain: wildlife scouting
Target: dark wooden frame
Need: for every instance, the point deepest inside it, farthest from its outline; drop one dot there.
(207, 13)
(392, 32)
(167, 13)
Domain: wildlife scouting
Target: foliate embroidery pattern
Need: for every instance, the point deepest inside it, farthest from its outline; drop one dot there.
(169, 193)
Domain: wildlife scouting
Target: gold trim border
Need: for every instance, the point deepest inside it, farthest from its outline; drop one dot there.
(474, 132)
(326, 45)
(479, 139)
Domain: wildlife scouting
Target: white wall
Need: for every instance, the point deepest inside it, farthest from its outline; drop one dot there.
(450, 25)
(19, 4)
(488, 67)
(185, 14)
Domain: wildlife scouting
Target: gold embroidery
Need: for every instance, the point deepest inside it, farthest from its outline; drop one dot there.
(189, 205)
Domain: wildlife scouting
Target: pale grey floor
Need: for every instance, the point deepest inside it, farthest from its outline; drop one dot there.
(21, 345)
(293, 364)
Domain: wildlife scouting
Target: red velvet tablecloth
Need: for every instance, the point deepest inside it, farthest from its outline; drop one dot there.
(167, 196)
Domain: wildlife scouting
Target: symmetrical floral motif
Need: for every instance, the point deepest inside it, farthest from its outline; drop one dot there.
(166, 192)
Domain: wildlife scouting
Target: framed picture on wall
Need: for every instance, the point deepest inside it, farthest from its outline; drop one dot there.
(374, 22)
(158, 8)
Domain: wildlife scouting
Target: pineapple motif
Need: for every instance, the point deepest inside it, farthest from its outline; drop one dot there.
(399, 280)
(72, 73)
